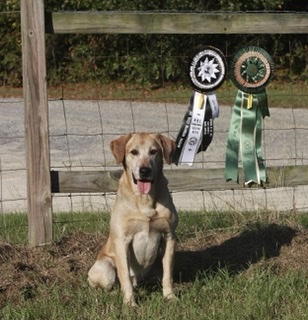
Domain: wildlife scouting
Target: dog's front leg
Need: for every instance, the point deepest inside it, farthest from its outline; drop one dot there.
(122, 265)
(168, 260)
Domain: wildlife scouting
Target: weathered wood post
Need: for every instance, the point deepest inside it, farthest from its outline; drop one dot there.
(36, 122)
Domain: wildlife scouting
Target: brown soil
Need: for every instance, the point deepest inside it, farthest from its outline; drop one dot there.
(25, 269)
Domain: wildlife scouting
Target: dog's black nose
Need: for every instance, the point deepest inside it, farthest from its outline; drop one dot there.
(145, 172)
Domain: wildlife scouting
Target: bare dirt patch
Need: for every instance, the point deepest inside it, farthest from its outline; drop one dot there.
(25, 272)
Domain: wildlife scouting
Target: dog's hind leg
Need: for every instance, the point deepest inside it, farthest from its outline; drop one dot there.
(102, 273)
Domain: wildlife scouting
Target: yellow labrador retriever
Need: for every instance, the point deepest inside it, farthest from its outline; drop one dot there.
(143, 219)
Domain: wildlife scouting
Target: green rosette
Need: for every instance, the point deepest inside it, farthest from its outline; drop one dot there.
(251, 70)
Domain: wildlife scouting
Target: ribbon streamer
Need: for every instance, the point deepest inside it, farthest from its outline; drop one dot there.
(197, 130)
(245, 138)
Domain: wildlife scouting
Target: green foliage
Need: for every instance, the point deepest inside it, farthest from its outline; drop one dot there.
(141, 59)
(10, 44)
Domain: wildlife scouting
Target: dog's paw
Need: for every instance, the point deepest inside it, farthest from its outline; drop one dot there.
(91, 283)
(102, 274)
(170, 296)
(130, 301)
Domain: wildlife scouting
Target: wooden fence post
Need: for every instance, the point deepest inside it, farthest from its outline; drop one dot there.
(36, 122)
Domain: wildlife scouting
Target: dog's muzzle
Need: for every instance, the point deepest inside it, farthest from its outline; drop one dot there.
(144, 183)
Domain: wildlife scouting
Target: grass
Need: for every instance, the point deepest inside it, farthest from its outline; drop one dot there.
(283, 94)
(253, 289)
(260, 295)
(13, 227)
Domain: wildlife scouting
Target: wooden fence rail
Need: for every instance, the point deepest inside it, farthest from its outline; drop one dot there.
(179, 180)
(35, 22)
(177, 23)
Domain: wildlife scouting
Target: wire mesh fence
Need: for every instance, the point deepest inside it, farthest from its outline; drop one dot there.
(81, 129)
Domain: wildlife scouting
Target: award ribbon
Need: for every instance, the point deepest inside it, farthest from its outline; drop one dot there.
(195, 130)
(251, 70)
(245, 138)
(206, 73)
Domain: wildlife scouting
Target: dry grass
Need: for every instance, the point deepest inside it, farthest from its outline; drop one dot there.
(283, 94)
(227, 258)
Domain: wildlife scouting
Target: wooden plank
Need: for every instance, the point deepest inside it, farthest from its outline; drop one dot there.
(176, 23)
(179, 179)
(36, 122)
(84, 181)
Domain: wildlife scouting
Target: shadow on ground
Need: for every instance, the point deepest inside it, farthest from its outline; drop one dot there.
(235, 254)
(25, 271)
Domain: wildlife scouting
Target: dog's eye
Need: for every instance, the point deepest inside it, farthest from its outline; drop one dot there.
(153, 152)
(134, 152)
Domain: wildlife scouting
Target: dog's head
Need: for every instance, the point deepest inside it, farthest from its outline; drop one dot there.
(142, 156)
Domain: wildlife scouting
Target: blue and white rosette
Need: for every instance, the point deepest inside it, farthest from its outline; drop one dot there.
(207, 71)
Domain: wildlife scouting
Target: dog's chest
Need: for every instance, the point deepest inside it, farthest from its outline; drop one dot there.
(145, 245)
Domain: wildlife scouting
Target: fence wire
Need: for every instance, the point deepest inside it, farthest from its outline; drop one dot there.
(81, 130)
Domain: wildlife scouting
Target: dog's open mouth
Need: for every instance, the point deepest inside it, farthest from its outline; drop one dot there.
(143, 185)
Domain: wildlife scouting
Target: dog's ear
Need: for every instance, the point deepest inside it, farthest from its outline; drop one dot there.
(168, 146)
(118, 147)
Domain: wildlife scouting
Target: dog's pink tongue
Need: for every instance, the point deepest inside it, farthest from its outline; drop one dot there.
(144, 186)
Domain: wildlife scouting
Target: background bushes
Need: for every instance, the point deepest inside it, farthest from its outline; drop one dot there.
(142, 59)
